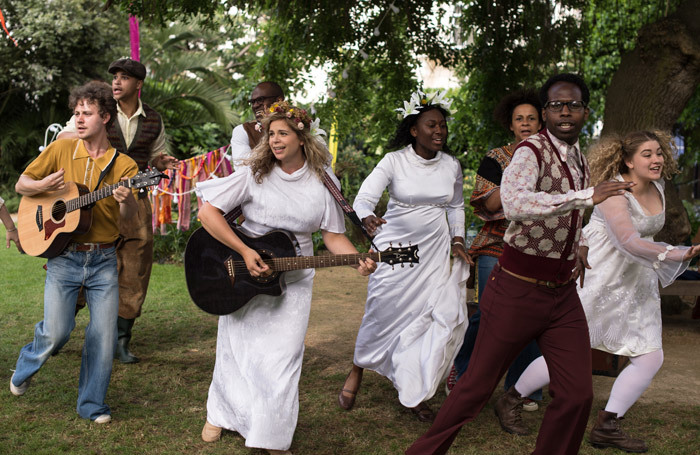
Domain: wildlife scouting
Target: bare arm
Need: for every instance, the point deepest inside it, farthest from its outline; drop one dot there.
(339, 244)
(493, 202)
(10, 229)
(127, 203)
(214, 222)
(27, 186)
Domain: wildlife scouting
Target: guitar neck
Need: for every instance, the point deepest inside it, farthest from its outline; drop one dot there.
(315, 262)
(91, 198)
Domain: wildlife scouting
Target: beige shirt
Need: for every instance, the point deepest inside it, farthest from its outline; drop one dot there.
(129, 125)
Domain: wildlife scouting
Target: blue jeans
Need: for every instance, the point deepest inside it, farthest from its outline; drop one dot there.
(484, 265)
(96, 271)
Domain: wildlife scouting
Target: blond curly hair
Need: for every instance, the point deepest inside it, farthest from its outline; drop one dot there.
(607, 157)
(315, 152)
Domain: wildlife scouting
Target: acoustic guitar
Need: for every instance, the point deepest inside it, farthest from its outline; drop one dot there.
(219, 282)
(47, 221)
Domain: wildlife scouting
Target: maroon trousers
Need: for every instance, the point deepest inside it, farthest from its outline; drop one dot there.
(514, 312)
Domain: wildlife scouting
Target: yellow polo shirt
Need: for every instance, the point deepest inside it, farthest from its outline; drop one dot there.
(71, 155)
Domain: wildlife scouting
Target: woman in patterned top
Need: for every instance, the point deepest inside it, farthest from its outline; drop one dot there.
(519, 112)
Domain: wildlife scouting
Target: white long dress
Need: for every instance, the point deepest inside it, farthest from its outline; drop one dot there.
(621, 292)
(414, 319)
(259, 348)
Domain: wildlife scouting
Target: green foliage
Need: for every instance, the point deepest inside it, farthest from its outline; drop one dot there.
(59, 47)
(170, 248)
(693, 215)
(192, 140)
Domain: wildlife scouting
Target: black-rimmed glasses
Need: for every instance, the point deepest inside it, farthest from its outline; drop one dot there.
(557, 106)
(261, 99)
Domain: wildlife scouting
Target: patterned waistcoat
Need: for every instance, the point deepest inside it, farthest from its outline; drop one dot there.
(147, 131)
(546, 248)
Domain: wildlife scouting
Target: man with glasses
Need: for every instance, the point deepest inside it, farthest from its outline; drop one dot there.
(531, 293)
(246, 136)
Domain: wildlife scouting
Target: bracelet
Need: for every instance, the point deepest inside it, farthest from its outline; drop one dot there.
(459, 243)
(10, 230)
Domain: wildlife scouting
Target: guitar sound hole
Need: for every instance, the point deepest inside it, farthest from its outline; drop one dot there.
(58, 211)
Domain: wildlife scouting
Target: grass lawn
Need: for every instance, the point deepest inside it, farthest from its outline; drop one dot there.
(159, 405)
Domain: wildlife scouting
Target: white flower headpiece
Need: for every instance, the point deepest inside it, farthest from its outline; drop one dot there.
(419, 99)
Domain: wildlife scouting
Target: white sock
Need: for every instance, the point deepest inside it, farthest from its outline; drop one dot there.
(633, 381)
(535, 376)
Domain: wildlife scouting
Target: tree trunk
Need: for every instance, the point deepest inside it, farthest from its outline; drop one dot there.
(651, 88)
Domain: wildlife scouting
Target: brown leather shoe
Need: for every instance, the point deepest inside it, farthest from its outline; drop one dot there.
(508, 408)
(423, 412)
(210, 433)
(607, 433)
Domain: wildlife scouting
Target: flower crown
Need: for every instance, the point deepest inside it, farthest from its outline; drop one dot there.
(301, 118)
(419, 100)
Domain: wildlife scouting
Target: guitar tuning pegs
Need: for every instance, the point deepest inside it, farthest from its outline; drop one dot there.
(410, 265)
(399, 244)
(402, 265)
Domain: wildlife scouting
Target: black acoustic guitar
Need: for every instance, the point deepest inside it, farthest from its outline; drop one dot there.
(219, 282)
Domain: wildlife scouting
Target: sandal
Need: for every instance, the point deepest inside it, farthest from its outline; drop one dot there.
(423, 412)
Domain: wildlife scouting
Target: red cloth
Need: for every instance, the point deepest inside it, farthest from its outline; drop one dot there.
(514, 312)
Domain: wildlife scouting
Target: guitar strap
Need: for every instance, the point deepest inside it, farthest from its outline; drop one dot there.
(233, 215)
(104, 173)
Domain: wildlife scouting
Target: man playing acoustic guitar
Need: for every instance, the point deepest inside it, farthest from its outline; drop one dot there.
(89, 260)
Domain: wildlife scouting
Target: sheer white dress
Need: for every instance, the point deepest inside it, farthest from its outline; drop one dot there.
(414, 319)
(621, 292)
(259, 348)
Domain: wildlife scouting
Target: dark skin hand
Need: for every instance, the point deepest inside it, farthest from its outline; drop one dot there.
(582, 264)
(604, 190)
(371, 223)
(601, 192)
(459, 251)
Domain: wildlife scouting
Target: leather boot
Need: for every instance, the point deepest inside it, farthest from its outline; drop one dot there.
(123, 337)
(607, 433)
(508, 408)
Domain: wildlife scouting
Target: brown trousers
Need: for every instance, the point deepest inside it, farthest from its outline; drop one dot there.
(135, 259)
(514, 312)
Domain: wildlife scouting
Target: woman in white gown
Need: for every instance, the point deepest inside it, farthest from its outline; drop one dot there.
(259, 349)
(621, 292)
(414, 319)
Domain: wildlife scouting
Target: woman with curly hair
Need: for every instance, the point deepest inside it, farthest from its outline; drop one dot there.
(259, 349)
(414, 317)
(520, 113)
(621, 292)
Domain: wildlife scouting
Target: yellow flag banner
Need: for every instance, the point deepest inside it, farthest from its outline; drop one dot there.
(333, 143)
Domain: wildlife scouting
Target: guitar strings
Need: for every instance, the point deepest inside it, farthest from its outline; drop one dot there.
(240, 267)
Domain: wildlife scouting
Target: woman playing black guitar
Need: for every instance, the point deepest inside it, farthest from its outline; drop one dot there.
(260, 347)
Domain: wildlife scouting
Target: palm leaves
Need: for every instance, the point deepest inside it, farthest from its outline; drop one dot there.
(186, 82)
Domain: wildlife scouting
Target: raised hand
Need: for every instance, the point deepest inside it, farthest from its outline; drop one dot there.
(163, 162)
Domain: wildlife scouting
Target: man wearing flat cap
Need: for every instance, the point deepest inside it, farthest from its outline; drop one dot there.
(139, 134)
